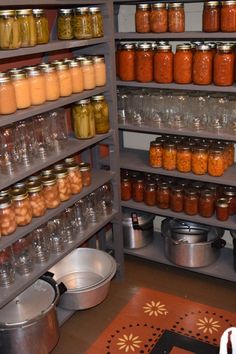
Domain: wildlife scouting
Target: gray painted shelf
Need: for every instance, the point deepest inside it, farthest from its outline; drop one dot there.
(188, 35)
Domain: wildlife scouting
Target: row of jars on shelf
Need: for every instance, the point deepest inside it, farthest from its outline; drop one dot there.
(196, 155)
(55, 236)
(31, 198)
(34, 85)
(200, 65)
(192, 198)
(162, 17)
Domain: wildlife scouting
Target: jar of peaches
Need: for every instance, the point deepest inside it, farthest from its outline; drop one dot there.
(216, 163)
(36, 198)
(199, 160)
(50, 191)
(7, 216)
(169, 156)
(183, 158)
(64, 186)
(75, 178)
(22, 207)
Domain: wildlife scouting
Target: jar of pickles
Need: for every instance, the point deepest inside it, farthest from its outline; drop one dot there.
(97, 22)
(191, 201)
(150, 193)
(206, 205)
(82, 24)
(163, 195)
(199, 160)
(126, 62)
(85, 169)
(202, 65)
(65, 24)
(88, 71)
(176, 17)
(52, 85)
(142, 18)
(169, 156)
(216, 164)
(99, 70)
(163, 64)
(211, 16)
(101, 114)
(7, 216)
(37, 202)
(27, 25)
(75, 178)
(126, 188)
(50, 191)
(37, 85)
(83, 120)
(183, 158)
(7, 95)
(65, 79)
(42, 29)
(63, 183)
(183, 62)
(138, 189)
(176, 199)
(144, 63)
(22, 207)
(223, 67)
(22, 89)
(10, 35)
(155, 154)
(158, 18)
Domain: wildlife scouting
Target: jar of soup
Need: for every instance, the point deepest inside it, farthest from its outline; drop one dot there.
(37, 202)
(127, 62)
(202, 65)
(50, 191)
(176, 199)
(65, 79)
(65, 24)
(191, 201)
(7, 95)
(22, 89)
(52, 85)
(101, 114)
(144, 63)
(183, 62)
(138, 189)
(211, 16)
(222, 209)
(100, 70)
(199, 160)
(10, 36)
(183, 158)
(155, 154)
(142, 18)
(85, 169)
(76, 76)
(82, 24)
(22, 207)
(83, 120)
(228, 16)
(126, 188)
(158, 18)
(27, 27)
(88, 71)
(163, 195)
(63, 183)
(229, 193)
(176, 17)
(206, 206)
(216, 162)
(223, 68)
(42, 28)
(169, 156)
(97, 22)
(150, 193)
(7, 216)
(163, 64)
(37, 85)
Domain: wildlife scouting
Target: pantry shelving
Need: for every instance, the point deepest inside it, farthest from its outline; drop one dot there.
(188, 35)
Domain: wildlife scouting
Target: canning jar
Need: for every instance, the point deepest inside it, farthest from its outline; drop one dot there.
(183, 62)
(158, 18)
(82, 23)
(163, 195)
(206, 206)
(155, 154)
(65, 24)
(176, 17)
(63, 183)
(127, 62)
(97, 22)
(101, 114)
(211, 16)
(144, 63)
(22, 207)
(88, 71)
(7, 216)
(7, 95)
(169, 156)
(138, 189)
(27, 27)
(216, 164)
(222, 209)
(85, 169)
(10, 36)
(83, 121)
(22, 89)
(37, 85)
(199, 160)
(228, 16)
(76, 76)
(126, 188)
(50, 191)
(42, 28)
(191, 201)
(183, 158)
(37, 202)
(163, 64)
(223, 67)
(52, 85)
(230, 152)
(176, 199)
(75, 178)
(65, 79)
(142, 18)
(202, 65)
(230, 194)
(150, 193)
(99, 70)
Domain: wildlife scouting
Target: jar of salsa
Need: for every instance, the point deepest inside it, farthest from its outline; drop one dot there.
(211, 16)
(183, 158)
(163, 195)
(158, 18)
(206, 204)
(163, 64)
(127, 62)
(230, 194)
(199, 161)
(144, 63)
(216, 164)
(155, 154)
(142, 18)
(138, 189)
(126, 188)
(222, 209)
(228, 16)
(150, 193)
(169, 156)
(191, 201)
(183, 61)
(176, 199)
(223, 68)
(202, 65)
(176, 17)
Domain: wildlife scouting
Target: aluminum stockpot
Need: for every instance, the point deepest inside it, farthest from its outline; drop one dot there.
(86, 273)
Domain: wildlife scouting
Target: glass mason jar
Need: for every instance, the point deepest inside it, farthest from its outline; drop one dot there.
(22, 207)
(37, 85)
(150, 193)
(216, 164)
(76, 76)
(230, 152)
(42, 28)
(163, 64)
(37, 202)
(97, 22)
(65, 79)
(65, 24)
(155, 154)
(101, 114)
(222, 209)
(22, 89)
(52, 85)
(126, 188)
(163, 195)
(206, 205)
(211, 16)
(199, 160)
(183, 158)
(176, 199)
(169, 156)
(10, 35)
(144, 63)
(142, 18)
(126, 62)
(27, 26)
(82, 23)
(230, 194)
(63, 183)
(228, 16)
(183, 62)
(83, 120)
(100, 70)
(75, 177)
(176, 17)
(50, 191)
(202, 65)
(158, 18)
(85, 169)
(88, 71)
(7, 216)
(7, 95)
(223, 67)
(191, 201)
(138, 189)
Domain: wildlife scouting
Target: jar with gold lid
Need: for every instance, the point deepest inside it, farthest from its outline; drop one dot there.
(211, 16)
(150, 193)
(63, 182)
(216, 163)
(228, 16)
(183, 62)
(223, 66)
(199, 160)
(65, 79)
(75, 177)
(142, 18)
(183, 158)
(82, 23)
(50, 191)
(176, 17)
(99, 70)
(191, 201)
(7, 216)
(97, 22)
(10, 36)
(83, 120)
(101, 114)
(76, 76)
(163, 64)
(155, 154)
(176, 199)
(42, 28)
(27, 27)
(202, 65)
(206, 203)
(138, 189)
(169, 156)
(7, 95)
(163, 195)
(36, 198)
(126, 188)
(144, 63)
(222, 209)
(85, 169)
(65, 24)
(88, 71)
(37, 85)
(22, 89)
(158, 18)
(126, 68)
(52, 86)
(21, 205)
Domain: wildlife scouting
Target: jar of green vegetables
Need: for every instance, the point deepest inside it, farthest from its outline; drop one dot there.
(42, 28)
(27, 27)
(101, 114)
(65, 24)
(9, 30)
(83, 122)
(97, 22)
(82, 23)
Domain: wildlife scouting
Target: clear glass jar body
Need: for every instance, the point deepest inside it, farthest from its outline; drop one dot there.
(22, 89)
(88, 74)
(101, 114)
(169, 156)
(65, 80)
(75, 178)
(97, 22)
(100, 71)
(228, 16)
(37, 202)
(76, 76)
(50, 191)
(163, 196)
(216, 163)
(126, 68)
(223, 67)
(22, 207)
(52, 84)
(144, 63)
(199, 161)
(163, 64)
(10, 37)
(42, 28)
(183, 158)
(150, 194)
(126, 188)
(7, 95)
(7, 217)
(176, 17)
(65, 24)
(155, 154)
(176, 199)
(63, 183)
(211, 16)
(83, 120)
(85, 170)
(27, 27)
(37, 86)
(202, 65)
(183, 62)
(138, 190)
(191, 202)
(206, 204)
(82, 23)
(158, 18)
(142, 18)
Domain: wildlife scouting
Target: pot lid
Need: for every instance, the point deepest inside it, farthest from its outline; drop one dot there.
(29, 305)
(143, 218)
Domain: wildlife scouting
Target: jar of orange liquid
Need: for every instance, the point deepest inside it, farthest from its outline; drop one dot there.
(76, 76)
(88, 74)
(7, 95)
(51, 82)
(100, 70)
(22, 89)
(37, 85)
(65, 79)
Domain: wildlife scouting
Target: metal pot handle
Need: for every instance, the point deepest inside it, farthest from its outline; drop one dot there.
(218, 244)
(178, 242)
(48, 276)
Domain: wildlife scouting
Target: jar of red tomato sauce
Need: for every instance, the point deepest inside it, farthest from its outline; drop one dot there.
(127, 62)
(211, 16)
(183, 62)
(163, 64)
(228, 16)
(158, 18)
(176, 17)
(202, 65)
(223, 72)
(142, 18)
(144, 63)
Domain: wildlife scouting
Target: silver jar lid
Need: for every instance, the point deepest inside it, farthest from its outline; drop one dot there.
(65, 11)
(143, 6)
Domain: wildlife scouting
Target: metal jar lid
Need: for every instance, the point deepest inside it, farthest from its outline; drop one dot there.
(185, 46)
(65, 11)
(164, 47)
(18, 75)
(33, 71)
(159, 5)
(156, 143)
(143, 6)
(73, 63)
(62, 173)
(176, 4)
(94, 10)
(84, 101)
(5, 201)
(226, 47)
(49, 180)
(48, 68)
(5, 192)
(24, 12)
(229, 191)
(84, 166)
(58, 166)
(144, 46)
(228, 3)
(203, 47)
(4, 78)
(222, 203)
(128, 46)
(86, 62)
(70, 160)
(81, 10)
(72, 167)
(38, 12)
(211, 3)
(98, 59)
(18, 194)
(7, 13)
(98, 98)
(33, 187)
(47, 172)
(62, 67)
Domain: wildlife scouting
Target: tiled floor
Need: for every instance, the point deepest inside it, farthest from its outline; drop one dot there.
(80, 332)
